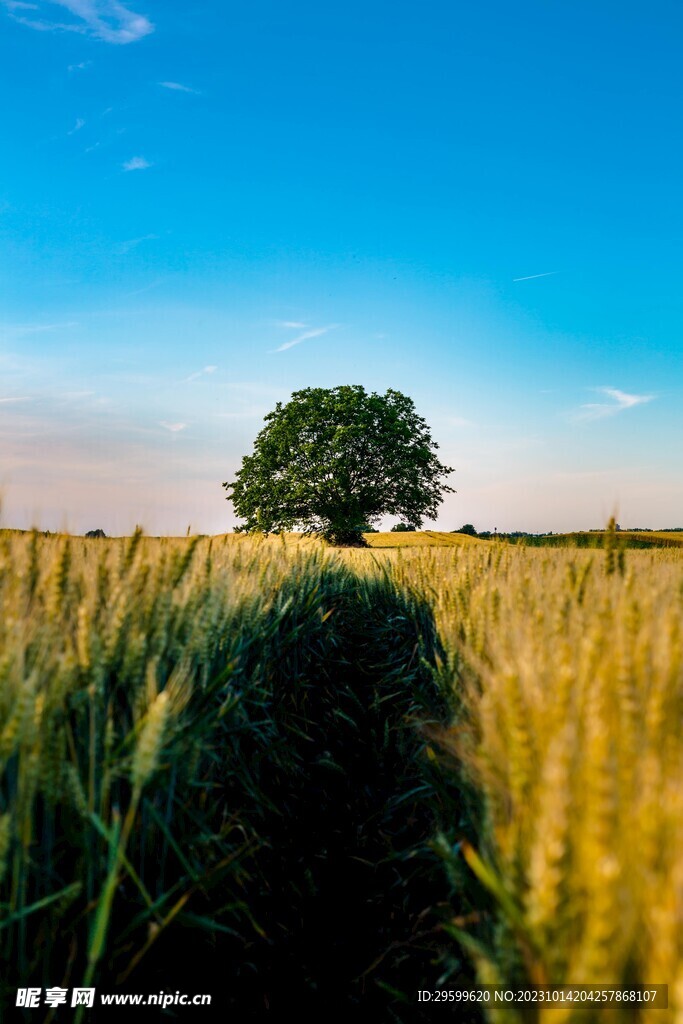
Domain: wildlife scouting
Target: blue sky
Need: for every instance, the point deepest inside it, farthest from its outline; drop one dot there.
(205, 207)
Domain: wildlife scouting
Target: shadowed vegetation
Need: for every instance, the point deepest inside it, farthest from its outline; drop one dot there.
(596, 539)
(213, 773)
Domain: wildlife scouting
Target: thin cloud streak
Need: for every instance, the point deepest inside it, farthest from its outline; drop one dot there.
(459, 421)
(146, 288)
(621, 401)
(136, 163)
(206, 371)
(179, 87)
(107, 20)
(132, 243)
(19, 330)
(173, 427)
(316, 332)
(532, 277)
(244, 414)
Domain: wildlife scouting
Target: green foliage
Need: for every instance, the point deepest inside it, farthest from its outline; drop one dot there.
(402, 528)
(332, 460)
(468, 529)
(594, 539)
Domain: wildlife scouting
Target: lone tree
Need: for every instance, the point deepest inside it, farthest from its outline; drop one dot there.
(468, 529)
(333, 460)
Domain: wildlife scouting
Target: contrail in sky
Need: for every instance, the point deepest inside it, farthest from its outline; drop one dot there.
(548, 273)
(315, 333)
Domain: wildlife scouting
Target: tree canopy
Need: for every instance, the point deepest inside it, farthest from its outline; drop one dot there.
(468, 529)
(334, 460)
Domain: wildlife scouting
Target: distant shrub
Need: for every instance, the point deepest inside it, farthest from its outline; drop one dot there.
(468, 529)
(96, 533)
(402, 528)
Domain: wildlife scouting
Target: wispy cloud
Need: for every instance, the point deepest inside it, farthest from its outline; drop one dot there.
(205, 372)
(80, 67)
(136, 163)
(178, 87)
(243, 414)
(146, 288)
(532, 277)
(173, 427)
(108, 20)
(20, 330)
(290, 325)
(23, 398)
(620, 401)
(77, 127)
(132, 243)
(314, 332)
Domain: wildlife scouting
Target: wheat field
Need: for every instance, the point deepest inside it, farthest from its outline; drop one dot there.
(177, 718)
(567, 675)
